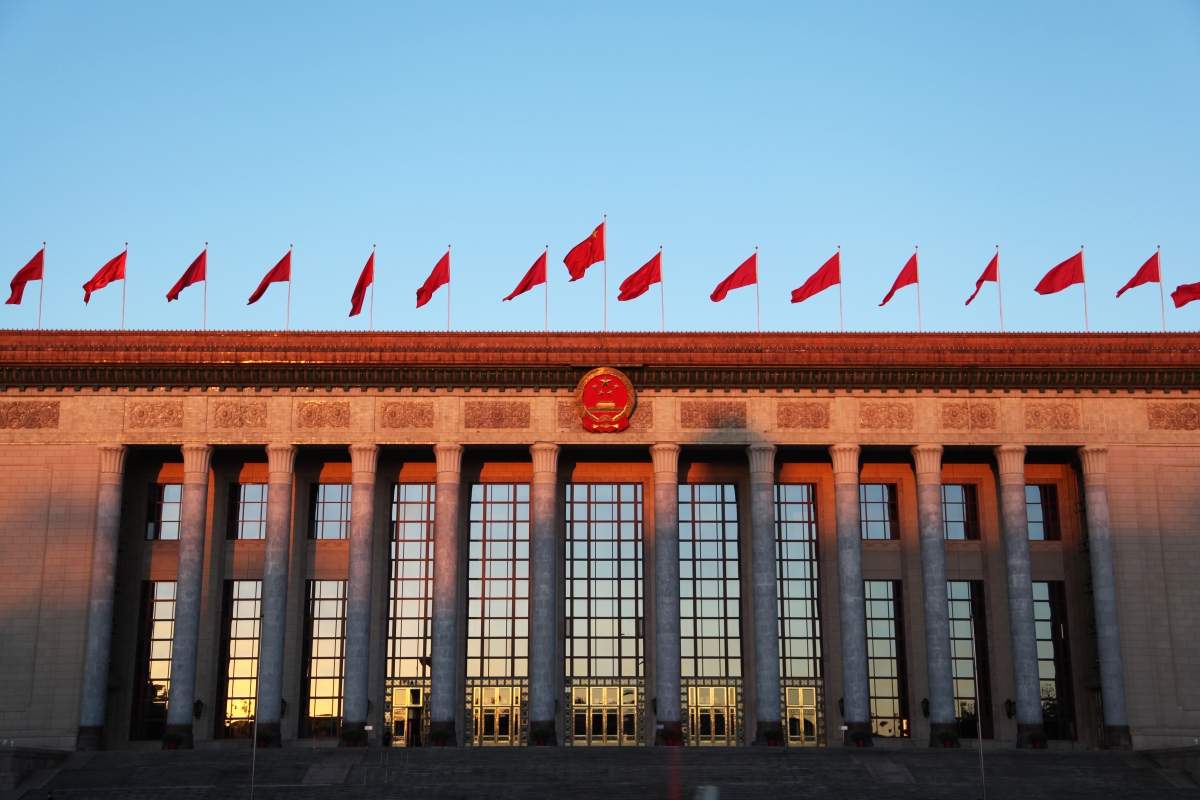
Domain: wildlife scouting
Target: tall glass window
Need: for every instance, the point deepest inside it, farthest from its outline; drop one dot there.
(242, 612)
(324, 660)
(878, 510)
(247, 511)
(498, 582)
(410, 623)
(966, 617)
(1054, 661)
(709, 583)
(796, 551)
(330, 511)
(960, 511)
(886, 666)
(156, 632)
(162, 515)
(1041, 507)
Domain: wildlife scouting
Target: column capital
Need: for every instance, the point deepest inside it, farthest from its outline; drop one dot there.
(363, 460)
(1095, 464)
(1010, 458)
(845, 462)
(196, 459)
(449, 462)
(666, 461)
(762, 463)
(545, 461)
(112, 462)
(927, 458)
(281, 461)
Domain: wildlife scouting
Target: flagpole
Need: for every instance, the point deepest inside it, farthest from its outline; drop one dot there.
(1161, 298)
(841, 319)
(916, 251)
(287, 320)
(1083, 269)
(204, 318)
(124, 283)
(371, 308)
(661, 292)
(999, 294)
(757, 310)
(448, 289)
(605, 272)
(42, 285)
(546, 286)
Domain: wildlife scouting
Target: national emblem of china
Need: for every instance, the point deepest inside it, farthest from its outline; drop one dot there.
(605, 401)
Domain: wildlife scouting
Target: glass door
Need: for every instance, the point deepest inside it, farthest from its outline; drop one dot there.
(496, 714)
(712, 714)
(604, 715)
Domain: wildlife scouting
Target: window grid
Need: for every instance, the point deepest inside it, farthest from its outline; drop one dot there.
(604, 582)
(878, 510)
(796, 560)
(239, 683)
(960, 512)
(330, 512)
(156, 634)
(967, 614)
(709, 584)
(1054, 663)
(410, 623)
(1041, 508)
(886, 667)
(324, 662)
(162, 515)
(498, 582)
(248, 516)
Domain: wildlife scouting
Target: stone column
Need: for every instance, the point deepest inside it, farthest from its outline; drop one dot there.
(363, 458)
(765, 582)
(666, 590)
(281, 459)
(101, 597)
(1014, 529)
(1104, 598)
(544, 666)
(443, 694)
(856, 695)
(193, 514)
(928, 461)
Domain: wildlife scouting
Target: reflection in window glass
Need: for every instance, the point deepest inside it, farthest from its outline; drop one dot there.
(960, 512)
(498, 582)
(153, 663)
(249, 514)
(796, 554)
(1054, 662)
(885, 659)
(709, 584)
(1041, 507)
(877, 508)
(966, 616)
(239, 681)
(321, 709)
(411, 588)
(162, 517)
(330, 511)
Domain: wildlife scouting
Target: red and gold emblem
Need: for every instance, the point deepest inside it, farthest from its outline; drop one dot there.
(605, 401)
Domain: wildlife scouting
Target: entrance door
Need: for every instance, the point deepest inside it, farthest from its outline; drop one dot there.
(604, 715)
(496, 715)
(712, 715)
(408, 716)
(801, 710)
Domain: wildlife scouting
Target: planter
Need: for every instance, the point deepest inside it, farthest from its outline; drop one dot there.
(262, 745)
(860, 742)
(172, 745)
(351, 742)
(772, 743)
(439, 742)
(948, 744)
(1039, 745)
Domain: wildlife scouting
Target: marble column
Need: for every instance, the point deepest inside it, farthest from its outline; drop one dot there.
(189, 581)
(1014, 530)
(443, 694)
(544, 666)
(101, 596)
(765, 583)
(927, 459)
(856, 696)
(1104, 598)
(281, 459)
(666, 591)
(363, 458)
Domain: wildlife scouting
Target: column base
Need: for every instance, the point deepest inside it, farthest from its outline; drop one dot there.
(848, 739)
(1116, 737)
(354, 734)
(1023, 732)
(769, 734)
(185, 733)
(90, 737)
(269, 735)
(439, 739)
(547, 729)
(669, 734)
(936, 729)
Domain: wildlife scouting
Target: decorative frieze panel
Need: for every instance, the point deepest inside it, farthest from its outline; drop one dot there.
(407, 415)
(240, 413)
(976, 415)
(643, 416)
(894, 415)
(323, 414)
(712, 415)
(495, 414)
(29, 415)
(1174, 416)
(803, 415)
(1052, 416)
(156, 414)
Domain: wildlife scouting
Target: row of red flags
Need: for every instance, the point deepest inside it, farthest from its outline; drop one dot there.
(592, 251)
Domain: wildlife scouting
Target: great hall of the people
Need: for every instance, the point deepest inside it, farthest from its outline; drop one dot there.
(413, 539)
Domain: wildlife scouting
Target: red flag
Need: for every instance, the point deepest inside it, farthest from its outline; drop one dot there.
(112, 271)
(583, 255)
(830, 274)
(907, 277)
(536, 276)
(360, 289)
(280, 273)
(1185, 294)
(436, 280)
(1147, 274)
(30, 272)
(193, 274)
(1068, 273)
(745, 275)
(640, 282)
(990, 273)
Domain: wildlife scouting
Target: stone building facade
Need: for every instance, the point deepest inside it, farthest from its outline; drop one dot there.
(404, 539)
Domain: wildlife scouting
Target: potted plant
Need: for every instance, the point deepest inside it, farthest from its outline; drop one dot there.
(352, 738)
(265, 739)
(542, 737)
(860, 738)
(440, 737)
(773, 736)
(1037, 740)
(948, 738)
(172, 740)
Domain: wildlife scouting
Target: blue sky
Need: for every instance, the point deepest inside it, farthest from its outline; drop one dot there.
(708, 129)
